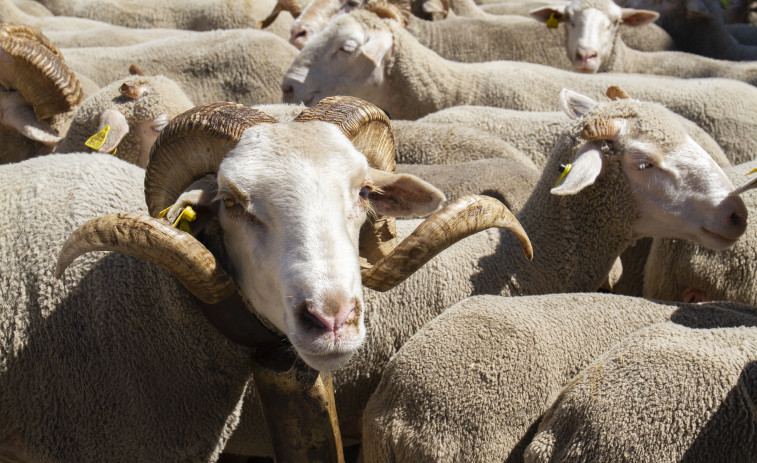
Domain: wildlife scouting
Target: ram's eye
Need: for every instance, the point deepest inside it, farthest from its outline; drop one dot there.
(229, 202)
(349, 47)
(365, 191)
(644, 165)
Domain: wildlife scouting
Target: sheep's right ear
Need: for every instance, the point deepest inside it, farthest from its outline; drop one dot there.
(118, 128)
(201, 196)
(574, 104)
(583, 171)
(403, 195)
(377, 45)
(543, 14)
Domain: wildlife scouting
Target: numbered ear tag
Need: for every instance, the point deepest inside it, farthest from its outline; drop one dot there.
(553, 22)
(97, 140)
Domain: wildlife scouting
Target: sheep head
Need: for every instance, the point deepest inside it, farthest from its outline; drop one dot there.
(289, 203)
(35, 83)
(678, 189)
(348, 57)
(591, 29)
(316, 15)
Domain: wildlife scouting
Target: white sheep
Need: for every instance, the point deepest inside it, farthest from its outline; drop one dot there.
(697, 26)
(116, 358)
(681, 390)
(209, 66)
(594, 45)
(473, 384)
(375, 59)
(577, 231)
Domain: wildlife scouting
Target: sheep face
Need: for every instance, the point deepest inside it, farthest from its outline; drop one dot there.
(316, 15)
(679, 190)
(290, 199)
(591, 29)
(345, 55)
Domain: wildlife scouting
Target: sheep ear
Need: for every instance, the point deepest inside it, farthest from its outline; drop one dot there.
(118, 128)
(201, 196)
(377, 45)
(403, 195)
(15, 112)
(634, 18)
(574, 104)
(583, 172)
(697, 9)
(543, 14)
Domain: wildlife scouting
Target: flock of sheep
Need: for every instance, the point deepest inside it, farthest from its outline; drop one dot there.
(609, 317)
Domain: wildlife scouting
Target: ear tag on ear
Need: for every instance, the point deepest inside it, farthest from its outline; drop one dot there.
(552, 22)
(182, 221)
(751, 171)
(726, 3)
(97, 140)
(564, 170)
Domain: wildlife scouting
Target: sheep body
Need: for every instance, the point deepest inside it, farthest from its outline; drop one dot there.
(472, 384)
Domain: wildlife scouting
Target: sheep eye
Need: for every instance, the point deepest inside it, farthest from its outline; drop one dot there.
(349, 47)
(365, 191)
(229, 202)
(644, 165)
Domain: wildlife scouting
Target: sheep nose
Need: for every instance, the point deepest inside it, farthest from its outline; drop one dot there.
(331, 316)
(585, 55)
(298, 37)
(287, 93)
(733, 217)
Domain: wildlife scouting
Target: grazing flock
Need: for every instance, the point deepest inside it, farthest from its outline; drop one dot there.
(512, 230)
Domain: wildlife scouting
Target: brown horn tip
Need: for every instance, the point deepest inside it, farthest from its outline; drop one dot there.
(132, 90)
(134, 70)
(614, 92)
(384, 9)
(155, 241)
(458, 220)
(600, 129)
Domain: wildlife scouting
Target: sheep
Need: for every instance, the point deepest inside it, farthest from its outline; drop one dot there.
(679, 270)
(593, 44)
(674, 391)
(32, 7)
(576, 240)
(531, 132)
(375, 59)
(697, 27)
(209, 66)
(473, 383)
(79, 343)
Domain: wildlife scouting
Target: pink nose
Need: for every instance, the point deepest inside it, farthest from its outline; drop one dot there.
(585, 55)
(331, 315)
(298, 37)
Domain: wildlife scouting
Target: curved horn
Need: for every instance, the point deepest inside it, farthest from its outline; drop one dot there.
(614, 92)
(193, 144)
(27, 32)
(132, 90)
(388, 10)
(370, 131)
(459, 219)
(282, 5)
(601, 129)
(135, 70)
(39, 75)
(154, 240)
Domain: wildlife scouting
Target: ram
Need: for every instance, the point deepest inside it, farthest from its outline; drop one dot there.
(617, 190)
(117, 358)
(363, 55)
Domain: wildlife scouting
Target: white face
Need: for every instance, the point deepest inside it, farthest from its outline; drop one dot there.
(344, 59)
(683, 194)
(590, 35)
(316, 15)
(291, 228)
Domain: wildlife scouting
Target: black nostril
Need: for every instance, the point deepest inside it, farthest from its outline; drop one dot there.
(287, 89)
(736, 219)
(300, 34)
(307, 317)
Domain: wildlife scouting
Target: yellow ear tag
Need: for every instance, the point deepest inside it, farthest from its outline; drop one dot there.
(726, 3)
(182, 221)
(751, 171)
(564, 169)
(552, 22)
(97, 140)
(164, 212)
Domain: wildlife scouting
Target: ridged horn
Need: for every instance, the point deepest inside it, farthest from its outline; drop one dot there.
(28, 32)
(156, 241)
(132, 90)
(459, 219)
(370, 131)
(39, 75)
(282, 5)
(388, 10)
(600, 129)
(134, 70)
(614, 92)
(192, 145)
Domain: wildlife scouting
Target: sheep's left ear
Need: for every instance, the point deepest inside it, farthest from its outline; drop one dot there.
(634, 18)
(574, 104)
(543, 14)
(118, 127)
(377, 45)
(583, 171)
(403, 195)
